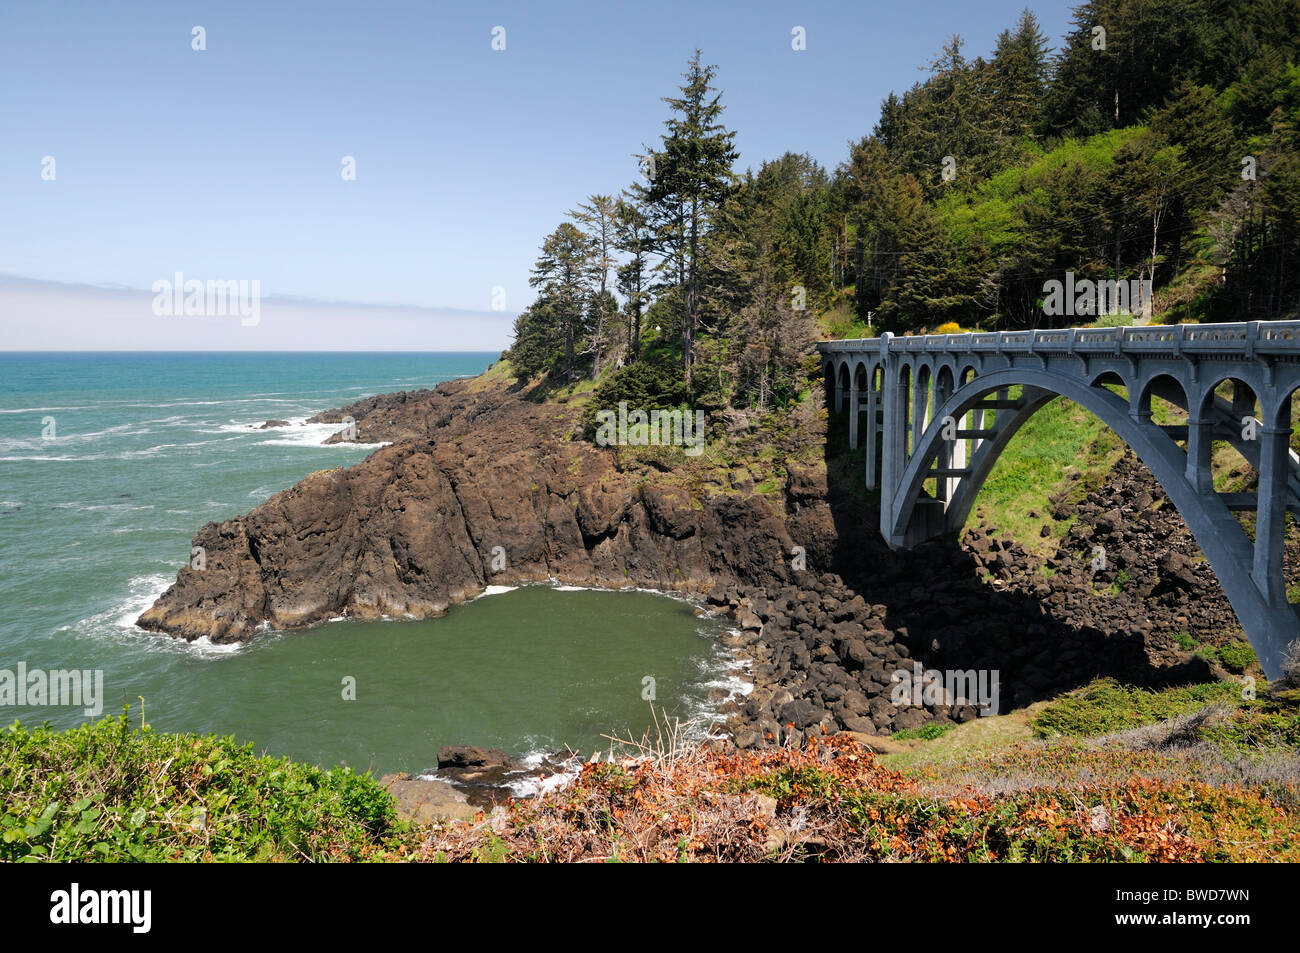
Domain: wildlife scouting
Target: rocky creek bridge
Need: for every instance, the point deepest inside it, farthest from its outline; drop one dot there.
(936, 411)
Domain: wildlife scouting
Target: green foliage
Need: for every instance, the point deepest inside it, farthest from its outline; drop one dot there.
(646, 385)
(1237, 656)
(927, 732)
(108, 791)
(1116, 161)
(1257, 727)
(1058, 441)
(1106, 706)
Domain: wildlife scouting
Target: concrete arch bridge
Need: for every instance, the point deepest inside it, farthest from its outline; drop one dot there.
(936, 411)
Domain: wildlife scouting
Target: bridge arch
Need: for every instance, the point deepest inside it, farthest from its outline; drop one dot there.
(1270, 622)
(928, 407)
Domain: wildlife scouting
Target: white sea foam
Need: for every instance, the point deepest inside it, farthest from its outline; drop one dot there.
(533, 785)
(36, 410)
(142, 592)
(51, 458)
(205, 646)
(93, 507)
(118, 622)
(298, 433)
(495, 591)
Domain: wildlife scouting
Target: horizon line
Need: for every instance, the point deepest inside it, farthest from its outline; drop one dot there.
(237, 351)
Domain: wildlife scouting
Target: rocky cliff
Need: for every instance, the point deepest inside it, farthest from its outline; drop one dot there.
(481, 488)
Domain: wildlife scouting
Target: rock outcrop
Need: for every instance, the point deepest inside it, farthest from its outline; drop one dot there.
(479, 488)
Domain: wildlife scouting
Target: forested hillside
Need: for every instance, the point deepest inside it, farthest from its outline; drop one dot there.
(1160, 143)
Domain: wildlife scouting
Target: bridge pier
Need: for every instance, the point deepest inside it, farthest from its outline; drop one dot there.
(853, 414)
(1270, 513)
(1200, 442)
(873, 430)
(919, 402)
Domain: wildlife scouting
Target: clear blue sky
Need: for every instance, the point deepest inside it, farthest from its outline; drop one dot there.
(225, 163)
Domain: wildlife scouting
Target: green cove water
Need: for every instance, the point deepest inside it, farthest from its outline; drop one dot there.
(109, 463)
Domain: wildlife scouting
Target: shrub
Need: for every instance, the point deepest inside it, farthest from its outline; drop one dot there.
(106, 791)
(927, 732)
(645, 385)
(1291, 665)
(1237, 656)
(948, 327)
(1106, 706)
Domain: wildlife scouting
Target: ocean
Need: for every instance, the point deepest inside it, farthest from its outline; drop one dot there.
(109, 463)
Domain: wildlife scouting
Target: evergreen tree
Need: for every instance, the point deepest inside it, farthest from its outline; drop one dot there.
(1019, 71)
(691, 176)
(596, 217)
(633, 238)
(565, 271)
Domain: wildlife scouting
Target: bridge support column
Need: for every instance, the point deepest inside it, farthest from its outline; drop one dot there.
(920, 398)
(893, 456)
(1243, 403)
(853, 415)
(873, 429)
(1200, 441)
(1139, 407)
(1270, 513)
(944, 486)
(956, 460)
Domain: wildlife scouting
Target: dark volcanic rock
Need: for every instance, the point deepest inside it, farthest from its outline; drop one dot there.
(487, 490)
(471, 756)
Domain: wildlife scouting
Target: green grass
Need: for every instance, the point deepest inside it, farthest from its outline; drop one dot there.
(109, 791)
(1209, 653)
(1061, 449)
(927, 732)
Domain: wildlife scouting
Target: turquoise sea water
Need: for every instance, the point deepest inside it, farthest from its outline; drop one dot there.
(110, 462)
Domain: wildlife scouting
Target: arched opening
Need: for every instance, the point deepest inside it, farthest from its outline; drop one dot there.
(874, 434)
(1166, 401)
(905, 392)
(1113, 383)
(952, 452)
(1233, 406)
(1287, 416)
(921, 407)
(1164, 404)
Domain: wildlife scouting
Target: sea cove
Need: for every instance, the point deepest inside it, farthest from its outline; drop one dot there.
(177, 438)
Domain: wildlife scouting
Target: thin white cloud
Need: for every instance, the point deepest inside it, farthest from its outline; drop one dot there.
(52, 316)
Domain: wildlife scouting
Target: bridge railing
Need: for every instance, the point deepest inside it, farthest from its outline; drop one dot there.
(1246, 338)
